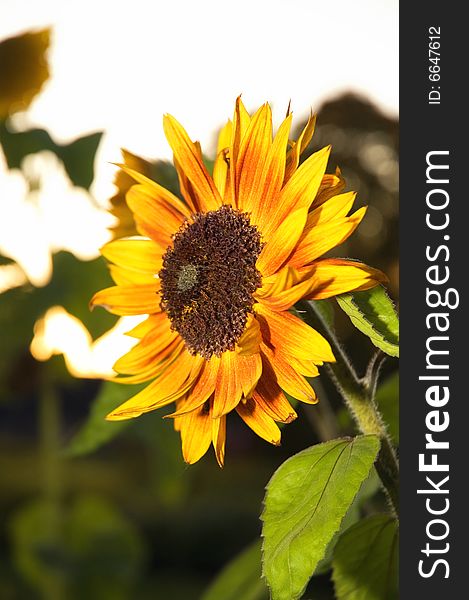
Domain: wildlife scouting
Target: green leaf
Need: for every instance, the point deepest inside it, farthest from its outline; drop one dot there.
(23, 69)
(77, 157)
(387, 399)
(365, 565)
(86, 549)
(306, 500)
(241, 579)
(72, 285)
(373, 313)
(97, 431)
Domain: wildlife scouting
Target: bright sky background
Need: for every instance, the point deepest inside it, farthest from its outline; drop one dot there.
(119, 66)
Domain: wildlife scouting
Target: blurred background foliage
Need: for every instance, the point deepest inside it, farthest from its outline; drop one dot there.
(109, 510)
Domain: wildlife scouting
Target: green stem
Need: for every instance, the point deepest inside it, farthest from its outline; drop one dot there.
(358, 395)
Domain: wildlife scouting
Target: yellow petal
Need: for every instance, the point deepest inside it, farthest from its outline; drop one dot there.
(330, 186)
(336, 207)
(265, 192)
(126, 277)
(176, 381)
(333, 276)
(189, 159)
(151, 368)
(285, 299)
(155, 190)
(219, 438)
(249, 341)
(289, 380)
(228, 390)
(280, 244)
(196, 433)
(224, 137)
(323, 237)
(249, 370)
(259, 421)
(129, 300)
(153, 216)
(134, 253)
(203, 388)
(241, 121)
(271, 399)
(286, 331)
(253, 153)
(221, 176)
(144, 327)
(293, 157)
(300, 190)
(148, 348)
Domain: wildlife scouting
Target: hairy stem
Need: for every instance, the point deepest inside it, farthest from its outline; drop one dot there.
(358, 395)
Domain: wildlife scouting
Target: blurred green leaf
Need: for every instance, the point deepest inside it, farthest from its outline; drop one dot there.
(373, 313)
(387, 399)
(88, 550)
(72, 286)
(77, 157)
(97, 431)
(306, 500)
(23, 70)
(241, 579)
(365, 565)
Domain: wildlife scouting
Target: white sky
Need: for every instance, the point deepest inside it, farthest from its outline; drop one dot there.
(120, 65)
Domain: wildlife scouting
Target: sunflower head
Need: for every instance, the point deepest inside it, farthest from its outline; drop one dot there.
(218, 271)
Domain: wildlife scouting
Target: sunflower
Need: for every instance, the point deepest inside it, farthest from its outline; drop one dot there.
(218, 274)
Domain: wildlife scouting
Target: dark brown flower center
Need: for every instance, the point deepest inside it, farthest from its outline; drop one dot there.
(208, 279)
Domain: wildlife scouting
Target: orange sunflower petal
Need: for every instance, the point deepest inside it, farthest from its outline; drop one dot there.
(253, 152)
(129, 300)
(154, 217)
(196, 433)
(249, 341)
(148, 348)
(336, 207)
(189, 159)
(203, 388)
(219, 438)
(280, 244)
(176, 380)
(157, 191)
(228, 390)
(293, 157)
(271, 179)
(123, 276)
(295, 337)
(145, 326)
(134, 253)
(259, 421)
(324, 237)
(289, 380)
(333, 276)
(330, 186)
(241, 121)
(221, 166)
(272, 400)
(249, 370)
(300, 190)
